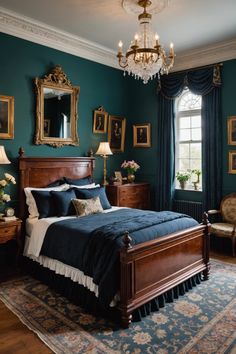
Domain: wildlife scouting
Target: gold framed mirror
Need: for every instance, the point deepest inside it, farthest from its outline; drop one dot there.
(56, 110)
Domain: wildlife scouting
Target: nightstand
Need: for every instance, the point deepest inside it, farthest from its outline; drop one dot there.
(132, 195)
(11, 230)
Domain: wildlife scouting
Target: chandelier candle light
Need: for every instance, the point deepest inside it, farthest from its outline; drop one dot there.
(145, 57)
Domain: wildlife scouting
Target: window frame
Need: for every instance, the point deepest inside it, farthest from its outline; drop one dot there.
(180, 114)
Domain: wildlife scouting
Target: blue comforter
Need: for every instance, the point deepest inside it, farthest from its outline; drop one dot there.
(92, 243)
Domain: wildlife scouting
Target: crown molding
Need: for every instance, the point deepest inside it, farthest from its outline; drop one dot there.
(211, 54)
(26, 28)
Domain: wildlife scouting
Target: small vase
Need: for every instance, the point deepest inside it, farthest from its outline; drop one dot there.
(182, 184)
(131, 178)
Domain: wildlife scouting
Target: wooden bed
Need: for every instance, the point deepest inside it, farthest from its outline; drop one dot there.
(177, 256)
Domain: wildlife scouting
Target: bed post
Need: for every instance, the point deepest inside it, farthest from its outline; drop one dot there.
(205, 222)
(126, 286)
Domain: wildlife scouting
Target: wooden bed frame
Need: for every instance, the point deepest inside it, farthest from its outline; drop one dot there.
(148, 269)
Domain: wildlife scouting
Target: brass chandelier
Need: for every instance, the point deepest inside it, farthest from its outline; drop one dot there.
(145, 57)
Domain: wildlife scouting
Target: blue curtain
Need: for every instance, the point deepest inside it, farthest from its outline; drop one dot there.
(207, 83)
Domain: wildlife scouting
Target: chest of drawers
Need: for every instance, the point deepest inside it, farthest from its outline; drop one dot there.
(132, 195)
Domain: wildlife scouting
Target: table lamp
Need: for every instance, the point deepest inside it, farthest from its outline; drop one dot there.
(3, 157)
(104, 150)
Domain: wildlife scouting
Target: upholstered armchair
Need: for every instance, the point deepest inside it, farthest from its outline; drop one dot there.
(226, 227)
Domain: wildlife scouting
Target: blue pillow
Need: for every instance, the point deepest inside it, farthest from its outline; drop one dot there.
(79, 181)
(63, 203)
(83, 193)
(44, 203)
(57, 183)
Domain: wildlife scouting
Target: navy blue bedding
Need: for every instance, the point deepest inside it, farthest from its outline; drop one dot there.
(92, 243)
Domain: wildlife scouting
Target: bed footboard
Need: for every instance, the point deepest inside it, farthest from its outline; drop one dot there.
(154, 267)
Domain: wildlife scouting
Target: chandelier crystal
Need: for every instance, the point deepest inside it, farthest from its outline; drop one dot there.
(145, 57)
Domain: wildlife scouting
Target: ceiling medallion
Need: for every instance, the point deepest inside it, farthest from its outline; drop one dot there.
(145, 57)
(133, 8)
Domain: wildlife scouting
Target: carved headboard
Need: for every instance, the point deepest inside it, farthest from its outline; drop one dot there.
(41, 171)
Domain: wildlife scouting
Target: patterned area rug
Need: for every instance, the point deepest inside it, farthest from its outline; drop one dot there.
(201, 321)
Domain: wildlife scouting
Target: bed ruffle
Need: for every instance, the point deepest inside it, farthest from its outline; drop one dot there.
(86, 299)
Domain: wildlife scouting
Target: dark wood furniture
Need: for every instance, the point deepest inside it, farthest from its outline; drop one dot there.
(146, 270)
(132, 195)
(11, 230)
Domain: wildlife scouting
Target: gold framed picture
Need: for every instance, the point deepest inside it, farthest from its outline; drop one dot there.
(232, 130)
(6, 117)
(116, 133)
(100, 121)
(46, 127)
(232, 162)
(142, 135)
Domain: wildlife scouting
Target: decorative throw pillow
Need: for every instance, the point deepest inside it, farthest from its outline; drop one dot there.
(63, 202)
(79, 181)
(44, 203)
(30, 201)
(87, 206)
(94, 192)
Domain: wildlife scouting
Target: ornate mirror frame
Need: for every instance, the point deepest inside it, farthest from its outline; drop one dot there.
(56, 80)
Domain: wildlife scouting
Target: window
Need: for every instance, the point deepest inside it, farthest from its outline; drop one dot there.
(189, 136)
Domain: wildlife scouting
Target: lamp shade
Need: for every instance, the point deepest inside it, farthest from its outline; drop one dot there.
(3, 157)
(104, 149)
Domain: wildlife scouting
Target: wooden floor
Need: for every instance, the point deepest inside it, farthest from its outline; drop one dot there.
(16, 338)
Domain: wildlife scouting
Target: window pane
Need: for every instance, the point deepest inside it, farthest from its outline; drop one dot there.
(195, 151)
(184, 134)
(196, 134)
(184, 122)
(196, 121)
(184, 164)
(189, 101)
(196, 164)
(184, 150)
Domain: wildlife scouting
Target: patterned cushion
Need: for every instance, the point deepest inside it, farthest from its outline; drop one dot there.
(222, 229)
(87, 206)
(228, 209)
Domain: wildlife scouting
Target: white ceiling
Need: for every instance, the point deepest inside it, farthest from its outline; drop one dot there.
(190, 24)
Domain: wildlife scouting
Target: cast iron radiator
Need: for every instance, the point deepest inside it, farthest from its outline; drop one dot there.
(193, 209)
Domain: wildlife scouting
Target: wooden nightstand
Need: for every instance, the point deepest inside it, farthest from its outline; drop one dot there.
(132, 195)
(11, 230)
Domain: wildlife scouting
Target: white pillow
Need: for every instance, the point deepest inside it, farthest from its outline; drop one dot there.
(87, 186)
(30, 201)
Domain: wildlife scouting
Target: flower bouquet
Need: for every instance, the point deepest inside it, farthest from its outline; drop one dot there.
(131, 167)
(4, 198)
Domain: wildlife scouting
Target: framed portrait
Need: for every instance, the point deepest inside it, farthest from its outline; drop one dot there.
(232, 162)
(100, 121)
(232, 130)
(46, 127)
(118, 176)
(116, 133)
(142, 135)
(6, 117)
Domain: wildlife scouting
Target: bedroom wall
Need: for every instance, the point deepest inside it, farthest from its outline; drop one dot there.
(145, 110)
(21, 62)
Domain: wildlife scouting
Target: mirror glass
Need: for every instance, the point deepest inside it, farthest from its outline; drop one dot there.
(57, 99)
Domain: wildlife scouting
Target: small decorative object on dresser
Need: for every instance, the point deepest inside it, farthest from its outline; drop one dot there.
(11, 230)
(133, 195)
(131, 167)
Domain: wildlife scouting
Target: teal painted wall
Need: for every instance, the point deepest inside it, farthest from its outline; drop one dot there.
(22, 61)
(144, 102)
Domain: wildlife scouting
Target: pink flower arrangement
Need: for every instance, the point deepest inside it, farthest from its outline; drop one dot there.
(130, 166)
